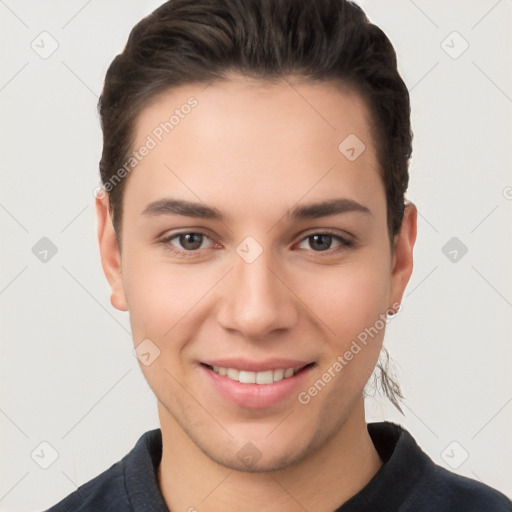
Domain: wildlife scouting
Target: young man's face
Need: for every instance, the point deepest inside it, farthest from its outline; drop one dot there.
(256, 291)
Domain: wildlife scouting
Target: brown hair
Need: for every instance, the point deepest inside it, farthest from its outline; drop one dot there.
(197, 41)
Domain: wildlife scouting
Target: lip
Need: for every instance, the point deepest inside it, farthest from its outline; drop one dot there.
(256, 396)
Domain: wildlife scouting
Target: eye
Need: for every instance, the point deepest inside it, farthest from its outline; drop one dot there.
(321, 242)
(186, 242)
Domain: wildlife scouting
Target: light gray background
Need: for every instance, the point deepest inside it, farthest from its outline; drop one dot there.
(68, 374)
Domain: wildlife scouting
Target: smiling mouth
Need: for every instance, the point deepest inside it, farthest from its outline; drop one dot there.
(263, 378)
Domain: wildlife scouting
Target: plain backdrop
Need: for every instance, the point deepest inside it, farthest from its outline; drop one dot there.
(68, 376)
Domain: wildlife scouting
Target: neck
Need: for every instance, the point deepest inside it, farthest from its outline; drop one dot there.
(191, 481)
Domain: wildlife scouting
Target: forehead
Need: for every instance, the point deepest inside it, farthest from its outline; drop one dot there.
(256, 139)
(262, 106)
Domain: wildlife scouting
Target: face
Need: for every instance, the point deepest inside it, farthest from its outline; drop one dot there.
(255, 253)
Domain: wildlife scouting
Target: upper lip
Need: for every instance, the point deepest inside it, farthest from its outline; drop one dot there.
(258, 366)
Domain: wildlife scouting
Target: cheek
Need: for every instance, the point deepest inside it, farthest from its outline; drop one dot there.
(349, 298)
(164, 302)
(352, 307)
(161, 295)
(351, 303)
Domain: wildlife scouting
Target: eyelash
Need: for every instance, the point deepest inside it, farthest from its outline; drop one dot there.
(344, 243)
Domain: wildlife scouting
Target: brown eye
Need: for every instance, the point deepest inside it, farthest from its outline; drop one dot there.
(186, 243)
(322, 242)
(190, 241)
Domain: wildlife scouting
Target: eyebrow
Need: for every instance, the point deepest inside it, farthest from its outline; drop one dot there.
(202, 211)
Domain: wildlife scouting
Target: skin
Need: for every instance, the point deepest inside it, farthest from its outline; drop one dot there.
(256, 150)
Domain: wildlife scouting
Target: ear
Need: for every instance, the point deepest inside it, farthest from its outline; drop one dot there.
(402, 253)
(110, 254)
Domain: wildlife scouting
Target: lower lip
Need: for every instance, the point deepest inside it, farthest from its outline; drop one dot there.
(256, 396)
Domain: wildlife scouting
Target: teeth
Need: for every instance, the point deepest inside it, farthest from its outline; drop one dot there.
(278, 375)
(245, 377)
(233, 374)
(264, 377)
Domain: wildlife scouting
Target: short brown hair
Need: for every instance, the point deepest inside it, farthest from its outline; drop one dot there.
(198, 41)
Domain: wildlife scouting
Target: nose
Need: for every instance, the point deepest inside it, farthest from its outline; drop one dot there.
(256, 300)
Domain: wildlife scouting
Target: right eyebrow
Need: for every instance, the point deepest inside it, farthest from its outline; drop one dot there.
(171, 206)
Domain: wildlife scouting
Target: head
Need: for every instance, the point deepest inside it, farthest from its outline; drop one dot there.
(286, 122)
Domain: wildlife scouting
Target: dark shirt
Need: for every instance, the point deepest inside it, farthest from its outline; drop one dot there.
(407, 481)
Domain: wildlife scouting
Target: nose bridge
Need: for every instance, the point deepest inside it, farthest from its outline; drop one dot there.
(256, 280)
(256, 302)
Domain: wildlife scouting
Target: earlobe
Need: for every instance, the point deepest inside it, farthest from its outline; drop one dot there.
(110, 254)
(403, 253)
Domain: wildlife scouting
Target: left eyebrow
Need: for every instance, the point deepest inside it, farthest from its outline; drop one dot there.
(327, 208)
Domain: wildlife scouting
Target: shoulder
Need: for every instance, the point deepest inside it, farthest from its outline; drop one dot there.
(124, 486)
(439, 489)
(417, 484)
(105, 492)
(444, 490)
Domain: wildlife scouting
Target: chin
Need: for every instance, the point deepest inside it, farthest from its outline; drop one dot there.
(249, 459)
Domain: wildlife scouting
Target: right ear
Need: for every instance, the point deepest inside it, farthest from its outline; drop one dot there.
(109, 251)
